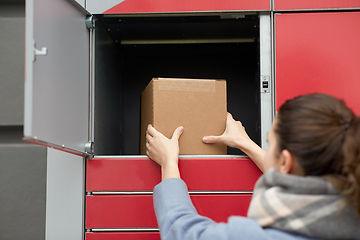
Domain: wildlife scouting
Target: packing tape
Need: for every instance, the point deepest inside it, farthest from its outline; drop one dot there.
(188, 85)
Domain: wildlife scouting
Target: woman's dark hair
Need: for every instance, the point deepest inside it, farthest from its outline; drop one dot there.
(352, 162)
(324, 136)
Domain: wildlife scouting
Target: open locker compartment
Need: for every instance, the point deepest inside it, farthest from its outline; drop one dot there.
(132, 49)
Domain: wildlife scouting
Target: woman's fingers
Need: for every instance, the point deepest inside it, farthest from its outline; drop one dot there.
(177, 133)
(148, 137)
(151, 130)
(212, 139)
(229, 117)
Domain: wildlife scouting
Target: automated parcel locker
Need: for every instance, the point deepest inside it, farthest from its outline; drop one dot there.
(83, 86)
(84, 77)
(129, 51)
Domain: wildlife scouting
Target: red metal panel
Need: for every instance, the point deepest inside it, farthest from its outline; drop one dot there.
(122, 174)
(314, 4)
(318, 53)
(122, 211)
(142, 174)
(162, 6)
(123, 236)
(220, 207)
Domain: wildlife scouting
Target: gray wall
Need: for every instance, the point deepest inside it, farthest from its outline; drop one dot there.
(22, 165)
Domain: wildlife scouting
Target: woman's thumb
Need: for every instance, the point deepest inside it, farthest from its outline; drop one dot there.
(177, 133)
(211, 139)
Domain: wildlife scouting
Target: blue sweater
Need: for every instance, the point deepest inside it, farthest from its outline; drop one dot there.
(179, 220)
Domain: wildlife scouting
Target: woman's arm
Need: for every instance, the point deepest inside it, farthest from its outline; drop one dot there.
(179, 220)
(235, 136)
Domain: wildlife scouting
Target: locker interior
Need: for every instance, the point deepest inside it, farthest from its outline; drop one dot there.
(132, 49)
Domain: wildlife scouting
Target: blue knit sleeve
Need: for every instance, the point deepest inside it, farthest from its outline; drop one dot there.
(179, 220)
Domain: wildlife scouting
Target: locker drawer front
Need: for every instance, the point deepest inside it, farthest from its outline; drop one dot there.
(137, 211)
(314, 4)
(200, 174)
(123, 236)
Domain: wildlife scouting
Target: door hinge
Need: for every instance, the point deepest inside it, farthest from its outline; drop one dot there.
(90, 22)
(89, 147)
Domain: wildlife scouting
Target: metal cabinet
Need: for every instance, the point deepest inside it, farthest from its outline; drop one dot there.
(119, 190)
(88, 61)
(85, 70)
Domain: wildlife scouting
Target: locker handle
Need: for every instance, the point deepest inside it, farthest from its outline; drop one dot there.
(42, 52)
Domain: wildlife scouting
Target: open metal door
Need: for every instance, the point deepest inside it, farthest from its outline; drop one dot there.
(57, 75)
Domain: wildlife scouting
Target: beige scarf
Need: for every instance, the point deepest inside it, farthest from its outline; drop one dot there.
(309, 206)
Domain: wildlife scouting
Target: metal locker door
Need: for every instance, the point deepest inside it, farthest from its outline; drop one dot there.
(175, 6)
(57, 75)
(318, 52)
(286, 5)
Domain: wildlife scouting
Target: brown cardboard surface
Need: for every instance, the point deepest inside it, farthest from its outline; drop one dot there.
(197, 104)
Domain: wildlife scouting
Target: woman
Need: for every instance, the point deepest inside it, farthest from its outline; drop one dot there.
(309, 189)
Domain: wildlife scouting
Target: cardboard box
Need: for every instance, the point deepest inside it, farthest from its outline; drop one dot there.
(197, 104)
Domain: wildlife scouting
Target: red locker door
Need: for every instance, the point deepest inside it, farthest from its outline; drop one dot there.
(318, 53)
(174, 6)
(280, 5)
(137, 211)
(200, 174)
(123, 236)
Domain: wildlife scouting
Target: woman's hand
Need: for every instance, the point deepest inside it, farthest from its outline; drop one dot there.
(164, 151)
(235, 136)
